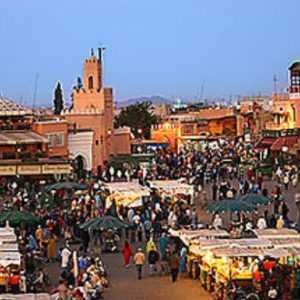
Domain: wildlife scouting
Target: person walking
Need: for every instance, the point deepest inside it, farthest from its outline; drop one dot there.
(163, 243)
(153, 257)
(139, 260)
(127, 253)
(174, 266)
(183, 260)
(51, 248)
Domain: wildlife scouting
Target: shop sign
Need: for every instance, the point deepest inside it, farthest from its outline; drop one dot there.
(8, 170)
(29, 170)
(56, 169)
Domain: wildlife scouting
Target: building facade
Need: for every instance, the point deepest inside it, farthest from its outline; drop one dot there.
(285, 108)
(25, 145)
(193, 127)
(93, 110)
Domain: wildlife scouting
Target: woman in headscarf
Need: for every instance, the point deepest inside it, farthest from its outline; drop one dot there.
(183, 260)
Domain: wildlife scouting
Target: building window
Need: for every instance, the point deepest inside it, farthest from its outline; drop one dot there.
(56, 139)
(295, 78)
(50, 140)
(188, 129)
(59, 139)
(91, 82)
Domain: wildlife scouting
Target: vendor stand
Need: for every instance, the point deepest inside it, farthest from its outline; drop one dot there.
(173, 189)
(283, 233)
(10, 258)
(187, 236)
(226, 262)
(128, 194)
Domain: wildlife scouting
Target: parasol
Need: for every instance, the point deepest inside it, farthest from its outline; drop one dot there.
(255, 199)
(104, 223)
(15, 218)
(231, 206)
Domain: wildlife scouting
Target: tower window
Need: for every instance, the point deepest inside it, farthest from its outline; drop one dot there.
(91, 82)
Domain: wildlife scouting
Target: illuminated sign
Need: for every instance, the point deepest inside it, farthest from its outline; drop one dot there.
(56, 169)
(8, 170)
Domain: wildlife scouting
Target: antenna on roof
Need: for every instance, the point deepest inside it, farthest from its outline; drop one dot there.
(275, 80)
(35, 90)
(202, 91)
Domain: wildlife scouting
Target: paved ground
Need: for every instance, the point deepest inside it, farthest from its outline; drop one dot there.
(125, 286)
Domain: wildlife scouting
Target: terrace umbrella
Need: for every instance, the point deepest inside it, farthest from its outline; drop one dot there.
(255, 199)
(231, 206)
(15, 218)
(104, 223)
(67, 185)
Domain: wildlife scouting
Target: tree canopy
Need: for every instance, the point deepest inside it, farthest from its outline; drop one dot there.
(58, 100)
(138, 117)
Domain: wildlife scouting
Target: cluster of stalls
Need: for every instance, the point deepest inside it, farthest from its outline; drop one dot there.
(219, 261)
(133, 194)
(10, 262)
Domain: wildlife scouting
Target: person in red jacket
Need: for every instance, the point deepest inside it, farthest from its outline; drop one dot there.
(14, 282)
(127, 253)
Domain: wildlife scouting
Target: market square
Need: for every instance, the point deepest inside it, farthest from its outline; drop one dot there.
(160, 164)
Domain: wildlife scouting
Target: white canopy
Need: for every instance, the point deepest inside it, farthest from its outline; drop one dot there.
(187, 236)
(172, 187)
(126, 193)
(283, 233)
(127, 187)
(8, 258)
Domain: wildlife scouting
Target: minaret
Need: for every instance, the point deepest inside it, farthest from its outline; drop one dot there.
(92, 71)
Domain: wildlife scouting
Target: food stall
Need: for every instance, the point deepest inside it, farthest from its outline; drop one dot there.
(187, 236)
(173, 189)
(283, 233)
(10, 257)
(219, 263)
(129, 194)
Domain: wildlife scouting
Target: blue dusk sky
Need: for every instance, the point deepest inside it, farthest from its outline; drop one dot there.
(158, 47)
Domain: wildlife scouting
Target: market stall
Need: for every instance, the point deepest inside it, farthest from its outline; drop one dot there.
(187, 236)
(219, 263)
(172, 189)
(283, 233)
(129, 194)
(10, 257)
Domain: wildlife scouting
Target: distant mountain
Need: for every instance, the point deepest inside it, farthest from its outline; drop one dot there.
(154, 99)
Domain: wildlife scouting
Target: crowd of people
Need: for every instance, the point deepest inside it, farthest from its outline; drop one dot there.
(224, 172)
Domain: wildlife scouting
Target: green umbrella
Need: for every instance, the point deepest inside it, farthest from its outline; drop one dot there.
(104, 223)
(255, 199)
(15, 218)
(67, 185)
(231, 206)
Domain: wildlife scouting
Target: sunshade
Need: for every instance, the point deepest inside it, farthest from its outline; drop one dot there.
(255, 199)
(229, 206)
(67, 185)
(104, 223)
(15, 218)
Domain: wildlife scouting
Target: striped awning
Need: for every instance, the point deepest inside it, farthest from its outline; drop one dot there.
(21, 138)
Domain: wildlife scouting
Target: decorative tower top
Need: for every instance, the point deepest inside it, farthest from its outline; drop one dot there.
(92, 71)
